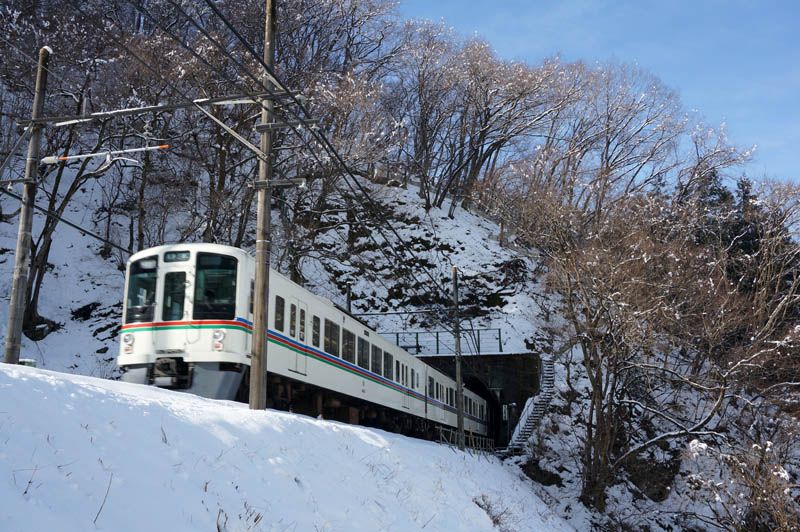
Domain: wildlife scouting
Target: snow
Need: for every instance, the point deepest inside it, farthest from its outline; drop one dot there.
(78, 277)
(83, 453)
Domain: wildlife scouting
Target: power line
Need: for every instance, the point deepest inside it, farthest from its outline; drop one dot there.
(320, 137)
(83, 230)
(30, 57)
(329, 148)
(227, 53)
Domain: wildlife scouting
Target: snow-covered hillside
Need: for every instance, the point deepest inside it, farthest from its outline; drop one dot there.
(81, 453)
(83, 292)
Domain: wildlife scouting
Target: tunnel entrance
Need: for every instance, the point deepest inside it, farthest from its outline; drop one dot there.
(505, 380)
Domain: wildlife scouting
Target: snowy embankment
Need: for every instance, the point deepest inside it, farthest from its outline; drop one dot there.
(81, 453)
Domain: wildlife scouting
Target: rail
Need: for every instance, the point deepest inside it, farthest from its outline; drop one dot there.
(472, 441)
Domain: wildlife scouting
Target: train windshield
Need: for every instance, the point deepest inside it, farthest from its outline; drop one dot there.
(142, 290)
(215, 287)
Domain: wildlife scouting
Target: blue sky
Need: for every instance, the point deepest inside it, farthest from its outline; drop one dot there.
(733, 61)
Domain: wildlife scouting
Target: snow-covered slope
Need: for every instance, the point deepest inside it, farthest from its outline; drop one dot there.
(80, 453)
(81, 291)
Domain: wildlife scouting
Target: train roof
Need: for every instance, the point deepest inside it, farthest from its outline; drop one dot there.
(196, 246)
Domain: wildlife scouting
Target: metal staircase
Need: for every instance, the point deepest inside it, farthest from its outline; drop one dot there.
(535, 408)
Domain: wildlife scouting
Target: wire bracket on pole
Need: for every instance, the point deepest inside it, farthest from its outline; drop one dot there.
(260, 154)
(272, 126)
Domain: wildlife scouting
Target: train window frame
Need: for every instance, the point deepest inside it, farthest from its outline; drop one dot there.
(388, 364)
(302, 324)
(175, 292)
(252, 295)
(431, 388)
(398, 376)
(363, 353)
(316, 325)
(210, 288)
(412, 378)
(331, 334)
(377, 360)
(292, 320)
(278, 321)
(348, 346)
(177, 256)
(145, 269)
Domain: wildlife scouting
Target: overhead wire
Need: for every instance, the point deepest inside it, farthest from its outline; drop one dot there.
(145, 12)
(329, 148)
(317, 135)
(83, 230)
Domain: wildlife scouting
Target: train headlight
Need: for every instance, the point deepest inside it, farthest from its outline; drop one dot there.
(218, 336)
(127, 339)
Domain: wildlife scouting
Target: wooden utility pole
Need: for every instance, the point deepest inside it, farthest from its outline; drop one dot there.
(258, 362)
(459, 383)
(19, 283)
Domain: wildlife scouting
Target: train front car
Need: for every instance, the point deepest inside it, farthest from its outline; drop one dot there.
(186, 326)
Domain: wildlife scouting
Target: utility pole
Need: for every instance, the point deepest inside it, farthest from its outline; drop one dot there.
(459, 383)
(258, 362)
(19, 286)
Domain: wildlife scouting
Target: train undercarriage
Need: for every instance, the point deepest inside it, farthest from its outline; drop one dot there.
(227, 381)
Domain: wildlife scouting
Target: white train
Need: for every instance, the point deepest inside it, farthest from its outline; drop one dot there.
(187, 325)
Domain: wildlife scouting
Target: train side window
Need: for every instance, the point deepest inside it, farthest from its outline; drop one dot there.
(252, 295)
(412, 377)
(280, 310)
(430, 387)
(377, 357)
(387, 365)
(315, 331)
(482, 413)
(331, 338)
(363, 353)
(174, 296)
(302, 325)
(397, 373)
(292, 320)
(348, 346)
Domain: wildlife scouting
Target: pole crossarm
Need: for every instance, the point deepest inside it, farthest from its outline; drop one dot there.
(236, 99)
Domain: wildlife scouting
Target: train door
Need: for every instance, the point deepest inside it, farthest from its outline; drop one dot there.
(175, 280)
(298, 330)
